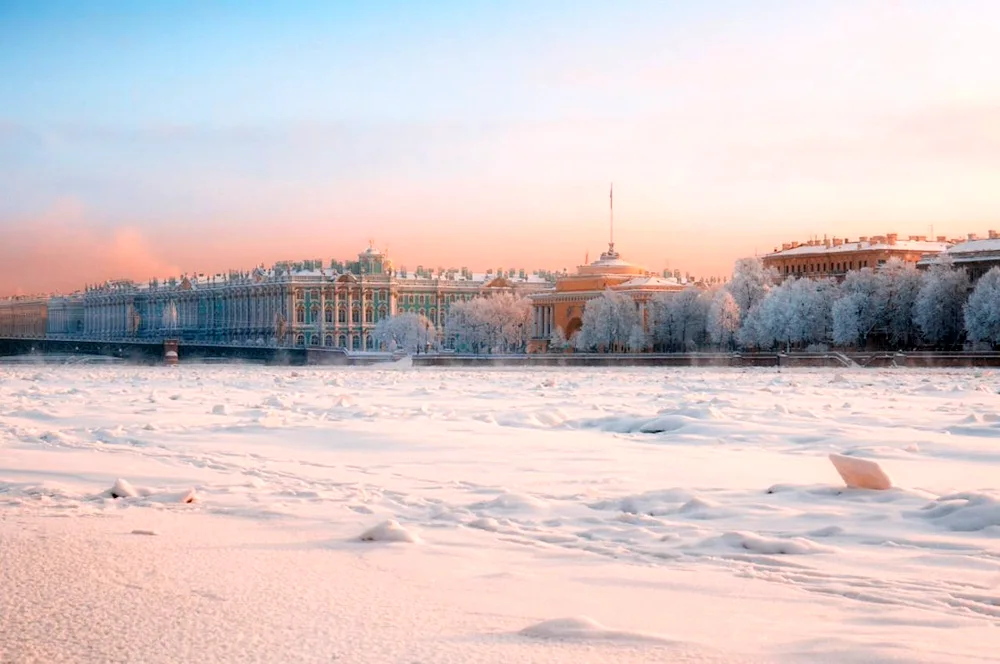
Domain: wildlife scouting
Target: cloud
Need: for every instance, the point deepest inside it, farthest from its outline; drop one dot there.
(61, 250)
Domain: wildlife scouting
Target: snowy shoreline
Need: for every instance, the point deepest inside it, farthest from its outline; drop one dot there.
(563, 516)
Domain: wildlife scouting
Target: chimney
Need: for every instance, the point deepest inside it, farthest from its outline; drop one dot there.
(826, 242)
(942, 238)
(972, 236)
(795, 245)
(837, 242)
(891, 238)
(785, 246)
(863, 239)
(994, 235)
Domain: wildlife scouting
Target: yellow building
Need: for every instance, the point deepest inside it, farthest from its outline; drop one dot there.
(562, 308)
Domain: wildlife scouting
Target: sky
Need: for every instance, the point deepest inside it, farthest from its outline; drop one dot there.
(158, 138)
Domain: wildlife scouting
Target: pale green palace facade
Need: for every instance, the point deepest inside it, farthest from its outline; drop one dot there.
(289, 304)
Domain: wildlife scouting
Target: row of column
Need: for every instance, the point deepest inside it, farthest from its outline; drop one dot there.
(543, 322)
(107, 319)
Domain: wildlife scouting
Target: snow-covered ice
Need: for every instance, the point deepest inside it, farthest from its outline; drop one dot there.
(415, 515)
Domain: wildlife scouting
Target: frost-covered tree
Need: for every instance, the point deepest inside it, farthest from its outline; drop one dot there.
(494, 324)
(638, 340)
(678, 320)
(723, 320)
(750, 283)
(982, 311)
(406, 331)
(860, 309)
(558, 340)
(938, 307)
(796, 313)
(608, 321)
(900, 284)
(848, 313)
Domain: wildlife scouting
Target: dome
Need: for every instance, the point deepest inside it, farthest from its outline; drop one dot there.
(610, 262)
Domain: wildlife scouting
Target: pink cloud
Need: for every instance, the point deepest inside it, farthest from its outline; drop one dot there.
(62, 250)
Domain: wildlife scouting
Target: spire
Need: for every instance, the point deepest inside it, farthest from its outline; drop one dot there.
(611, 201)
(611, 244)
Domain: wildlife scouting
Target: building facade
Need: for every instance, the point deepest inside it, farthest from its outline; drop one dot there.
(562, 307)
(820, 259)
(23, 317)
(289, 304)
(976, 255)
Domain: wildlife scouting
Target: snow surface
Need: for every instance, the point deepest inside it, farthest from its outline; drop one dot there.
(415, 515)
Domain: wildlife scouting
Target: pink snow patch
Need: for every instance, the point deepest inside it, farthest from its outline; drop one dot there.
(861, 473)
(584, 628)
(124, 489)
(389, 531)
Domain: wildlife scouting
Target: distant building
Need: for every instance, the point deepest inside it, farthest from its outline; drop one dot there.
(562, 308)
(23, 317)
(818, 259)
(977, 255)
(289, 304)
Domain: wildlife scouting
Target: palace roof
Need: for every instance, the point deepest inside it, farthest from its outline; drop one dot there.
(821, 248)
(971, 250)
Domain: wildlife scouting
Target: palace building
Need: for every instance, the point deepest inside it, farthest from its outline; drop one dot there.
(562, 308)
(289, 304)
(819, 259)
(23, 317)
(976, 255)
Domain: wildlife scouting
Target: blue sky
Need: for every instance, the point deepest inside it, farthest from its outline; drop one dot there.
(485, 133)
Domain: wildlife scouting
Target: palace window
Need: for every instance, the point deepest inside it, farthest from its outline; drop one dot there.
(300, 340)
(342, 342)
(356, 316)
(369, 315)
(342, 316)
(329, 316)
(314, 315)
(300, 315)
(328, 342)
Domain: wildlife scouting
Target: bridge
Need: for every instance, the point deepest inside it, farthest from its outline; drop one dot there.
(141, 351)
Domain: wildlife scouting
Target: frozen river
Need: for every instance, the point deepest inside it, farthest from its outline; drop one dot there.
(570, 515)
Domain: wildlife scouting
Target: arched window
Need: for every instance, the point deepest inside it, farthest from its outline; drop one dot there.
(329, 315)
(369, 315)
(300, 340)
(342, 316)
(300, 315)
(342, 342)
(356, 316)
(328, 342)
(368, 343)
(314, 315)
(314, 340)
